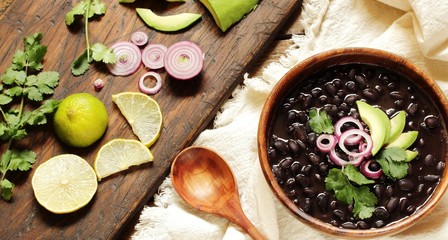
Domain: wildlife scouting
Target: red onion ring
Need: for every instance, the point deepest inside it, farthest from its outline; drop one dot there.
(184, 60)
(153, 55)
(139, 38)
(129, 59)
(351, 133)
(153, 90)
(365, 170)
(342, 162)
(338, 129)
(326, 147)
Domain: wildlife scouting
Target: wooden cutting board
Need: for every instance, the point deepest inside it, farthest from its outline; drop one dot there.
(187, 106)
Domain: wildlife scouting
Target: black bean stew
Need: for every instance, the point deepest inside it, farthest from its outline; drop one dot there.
(300, 169)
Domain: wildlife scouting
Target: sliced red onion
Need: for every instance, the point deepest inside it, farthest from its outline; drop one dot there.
(152, 90)
(365, 170)
(353, 140)
(128, 61)
(153, 55)
(355, 132)
(139, 38)
(334, 156)
(362, 147)
(184, 60)
(326, 142)
(98, 84)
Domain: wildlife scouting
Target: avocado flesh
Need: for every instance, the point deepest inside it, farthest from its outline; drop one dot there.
(169, 23)
(378, 123)
(410, 155)
(405, 140)
(397, 124)
(228, 12)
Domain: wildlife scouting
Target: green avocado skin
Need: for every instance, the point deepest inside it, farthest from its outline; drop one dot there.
(228, 12)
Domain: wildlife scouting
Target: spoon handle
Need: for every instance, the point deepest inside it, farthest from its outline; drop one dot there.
(253, 231)
(235, 213)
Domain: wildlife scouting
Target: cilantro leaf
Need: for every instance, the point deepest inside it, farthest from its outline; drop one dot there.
(78, 9)
(362, 198)
(38, 116)
(5, 99)
(102, 53)
(97, 8)
(355, 176)
(22, 160)
(320, 122)
(81, 64)
(6, 188)
(393, 162)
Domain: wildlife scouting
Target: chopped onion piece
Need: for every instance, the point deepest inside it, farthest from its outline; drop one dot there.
(139, 38)
(153, 55)
(98, 84)
(353, 140)
(365, 170)
(355, 132)
(152, 90)
(184, 60)
(129, 59)
(326, 142)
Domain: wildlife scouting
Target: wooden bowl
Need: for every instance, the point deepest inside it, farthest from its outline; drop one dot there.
(318, 62)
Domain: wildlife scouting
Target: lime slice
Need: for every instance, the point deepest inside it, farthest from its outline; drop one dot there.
(142, 113)
(64, 183)
(118, 155)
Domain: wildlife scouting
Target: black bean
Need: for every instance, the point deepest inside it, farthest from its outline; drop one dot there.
(396, 95)
(286, 163)
(307, 100)
(309, 192)
(339, 214)
(431, 178)
(302, 117)
(300, 133)
(429, 191)
(295, 168)
(379, 89)
(362, 225)
(330, 88)
(392, 204)
(272, 152)
(307, 205)
(403, 204)
(349, 225)
(381, 213)
(344, 107)
(318, 177)
(292, 116)
(413, 125)
(334, 223)
(315, 92)
(278, 173)
(351, 99)
(291, 183)
(323, 168)
(429, 160)
(291, 193)
(322, 201)
(440, 166)
(312, 139)
(314, 158)
(350, 208)
(333, 205)
(405, 184)
(323, 99)
(296, 202)
(306, 169)
(337, 82)
(410, 209)
(432, 122)
(352, 73)
(389, 191)
(379, 189)
(420, 188)
(337, 100)
(294, 147)
(399, 104)
(361, 80)
(392, 86)
(412, 108)
(281, 146)
(350, 85)
(421, 142)
(370, 94)
(378, 224)
(303, 180)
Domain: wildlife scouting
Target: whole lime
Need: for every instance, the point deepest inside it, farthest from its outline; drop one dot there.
(80, 120)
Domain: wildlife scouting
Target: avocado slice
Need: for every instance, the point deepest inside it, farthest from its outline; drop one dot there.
(228, 12)
(405, 140)
(169, 23)
(378, 123)
(410, 155)
(397, 124)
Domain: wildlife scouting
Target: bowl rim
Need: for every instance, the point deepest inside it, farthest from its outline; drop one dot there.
(305, 68)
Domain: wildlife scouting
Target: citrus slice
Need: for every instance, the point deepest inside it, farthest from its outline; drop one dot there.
(64, 183)
(143, 114)
(118, 155)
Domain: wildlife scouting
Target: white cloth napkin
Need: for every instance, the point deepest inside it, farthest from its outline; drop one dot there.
(415, 29)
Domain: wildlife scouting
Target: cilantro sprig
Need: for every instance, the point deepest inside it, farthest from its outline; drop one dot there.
(97, 52)
(320, 122)
(393, 162)
(340, 181)
(23, 82)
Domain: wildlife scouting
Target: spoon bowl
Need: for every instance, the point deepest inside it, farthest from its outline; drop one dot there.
(204, 180)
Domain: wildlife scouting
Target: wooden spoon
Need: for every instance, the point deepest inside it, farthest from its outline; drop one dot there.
(204, 180)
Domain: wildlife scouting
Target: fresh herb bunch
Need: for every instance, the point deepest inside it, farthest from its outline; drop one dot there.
(98, 51)
(23, 82)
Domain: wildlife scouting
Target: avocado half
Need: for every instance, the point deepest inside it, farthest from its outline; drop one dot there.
(228, 12)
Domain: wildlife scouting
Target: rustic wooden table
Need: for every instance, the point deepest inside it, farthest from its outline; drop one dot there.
(266, 33)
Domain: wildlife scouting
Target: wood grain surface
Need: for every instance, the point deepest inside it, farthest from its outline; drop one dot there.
(188, 106)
